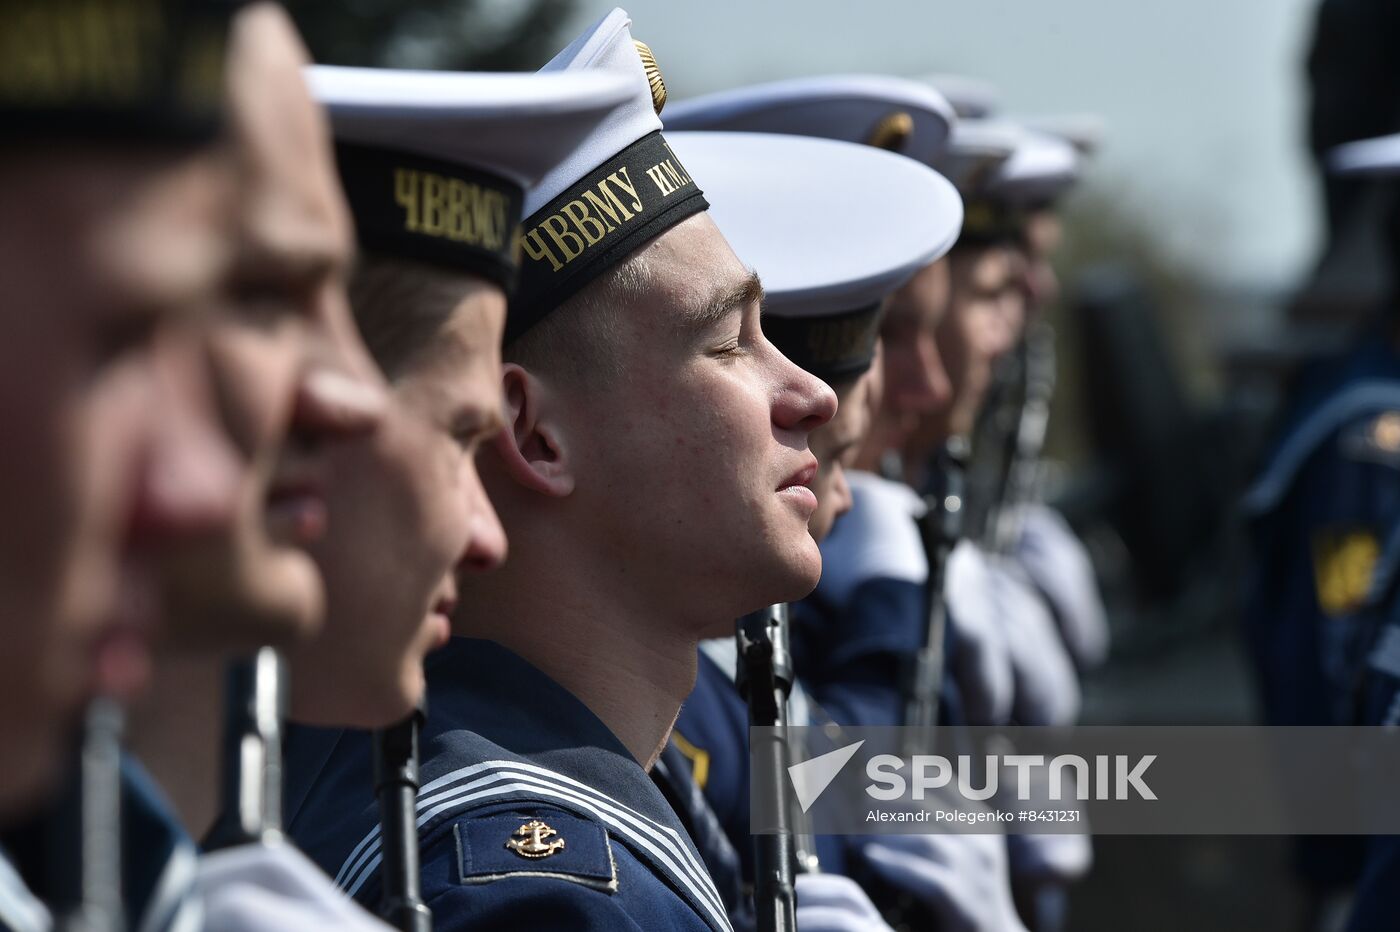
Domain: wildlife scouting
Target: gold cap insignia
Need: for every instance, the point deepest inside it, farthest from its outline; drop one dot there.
(892, 132)
(528, 840)
(658, 84)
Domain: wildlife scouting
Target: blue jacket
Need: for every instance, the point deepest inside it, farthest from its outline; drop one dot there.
(1376, 906)
(512, 764)
(1322, 514)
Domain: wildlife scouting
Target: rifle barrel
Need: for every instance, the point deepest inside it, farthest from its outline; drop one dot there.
(939, 530)
(764, 678)
(256, 703)
(396, 787)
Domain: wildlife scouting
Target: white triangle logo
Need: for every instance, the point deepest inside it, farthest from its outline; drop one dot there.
(811, 777)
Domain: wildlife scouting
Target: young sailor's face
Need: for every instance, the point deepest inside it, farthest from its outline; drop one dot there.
(291, 373)
(408, 513)
(113, 260)
(695, 462)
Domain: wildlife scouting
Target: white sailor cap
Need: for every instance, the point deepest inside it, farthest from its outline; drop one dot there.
(1375, 157)
(1003, 170)
(1042, 168)
(435, 164)
(971, 98)
(621, 186)
(976, 151)
(886, 112)
(832, 228)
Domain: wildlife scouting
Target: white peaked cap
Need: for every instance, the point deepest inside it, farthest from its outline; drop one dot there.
(903, 116)
(1041, 169)
(1003, 161)
(831, 228)
(605, 48)
(519, 126)
(435, 163)
(976, 150)
(620, 187)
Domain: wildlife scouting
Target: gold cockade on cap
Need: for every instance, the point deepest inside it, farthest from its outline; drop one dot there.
(892, 132)
(658, 84)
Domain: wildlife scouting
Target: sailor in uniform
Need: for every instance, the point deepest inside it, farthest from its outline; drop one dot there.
(911, 119)
(849, 679)
(653, 480)
(115, 223)
(290, 377)
(115, 235)
(435, 166)
(1322, 615)
(997, 675)
(824, 304)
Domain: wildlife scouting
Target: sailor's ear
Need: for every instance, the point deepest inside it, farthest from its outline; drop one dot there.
(532, 446)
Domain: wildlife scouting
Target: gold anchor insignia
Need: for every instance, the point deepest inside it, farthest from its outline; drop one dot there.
(892, 132)
(528, 840)
(658, 85)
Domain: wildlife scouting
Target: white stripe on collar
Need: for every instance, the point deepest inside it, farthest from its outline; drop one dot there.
(354, 864)
(457, 791)
(696, 866)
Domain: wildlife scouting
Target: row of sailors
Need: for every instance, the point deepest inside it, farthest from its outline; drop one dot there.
(659, 469)
(636, 371)
(435, 169)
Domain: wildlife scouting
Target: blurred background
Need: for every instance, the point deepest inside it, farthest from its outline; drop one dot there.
(1204, 260)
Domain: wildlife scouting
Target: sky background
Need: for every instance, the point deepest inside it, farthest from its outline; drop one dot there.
(1204, 100)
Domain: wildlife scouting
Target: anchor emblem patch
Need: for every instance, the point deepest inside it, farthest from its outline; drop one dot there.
(528, 840)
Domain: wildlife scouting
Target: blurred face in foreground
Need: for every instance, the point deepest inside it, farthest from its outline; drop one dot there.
(290, 370)
(113, 256)
(408, 507)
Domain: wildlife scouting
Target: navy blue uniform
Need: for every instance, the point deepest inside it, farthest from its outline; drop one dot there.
(512, 764)
(712, 733)
(853, 639)
(1322, 513)
(159, 859)
(712, 736)
(1377, 903)
(674, 776)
